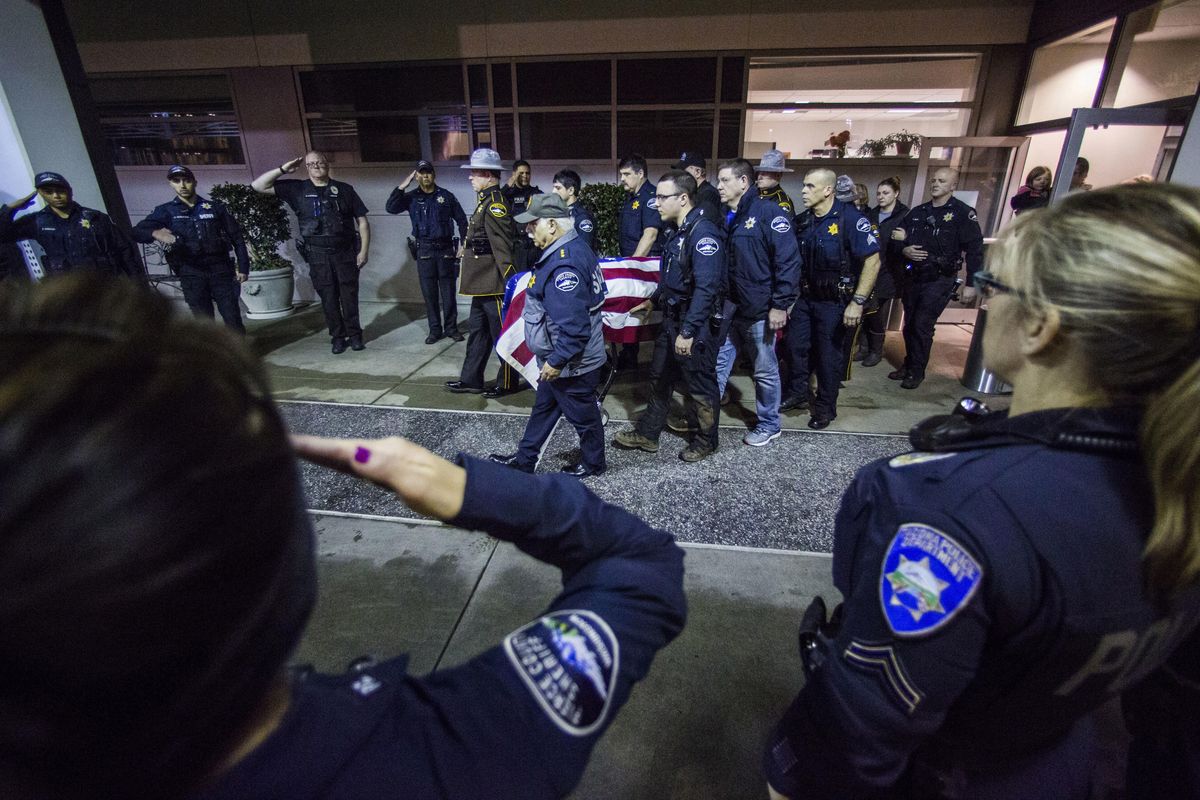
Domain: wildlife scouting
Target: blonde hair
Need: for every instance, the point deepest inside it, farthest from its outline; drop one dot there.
(1122, 268)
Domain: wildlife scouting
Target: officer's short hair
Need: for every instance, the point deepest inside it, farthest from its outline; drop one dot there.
(740, 167)
(520, 162)
(635, 162)
(683, 181)
(826, 175)
(570, 179)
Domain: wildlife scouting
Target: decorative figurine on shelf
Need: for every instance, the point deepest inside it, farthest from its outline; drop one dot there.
(839, 140)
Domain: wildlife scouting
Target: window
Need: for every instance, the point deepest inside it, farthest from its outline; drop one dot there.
(1065, 75)
(564, 83)
(650, 81)
(733, 75)
(566, 135)
(402, 88)
(477, 82)
(663, 134)
(1164, 61)
(729, 134)
(185, 119)
(502, 96)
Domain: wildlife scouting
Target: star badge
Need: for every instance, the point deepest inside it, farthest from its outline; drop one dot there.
(87, 223)
(206, 205)
(916, 579)
(750, 223)
(637, 204)
(441, 199)
(833, 228)
(949, 216)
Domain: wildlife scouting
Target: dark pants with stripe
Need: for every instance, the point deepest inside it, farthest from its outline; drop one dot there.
(702, 403)
(576, 399)
(438, 275)
(484, 330)
(335, 277)
(204, 286)
(924, 302)
(816, 342)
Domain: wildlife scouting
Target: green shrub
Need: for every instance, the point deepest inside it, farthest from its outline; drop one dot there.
(264, 223)
(604, 201)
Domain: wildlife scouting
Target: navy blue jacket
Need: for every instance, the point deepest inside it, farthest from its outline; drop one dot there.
(518, 721)
(434, 214)
(86, 240)
(694, 272)
(585, 224)
(994, 598)
(638, 212)
(833, 248)
(205, 232)
(564, 324)
(764, 261)
(947, 233)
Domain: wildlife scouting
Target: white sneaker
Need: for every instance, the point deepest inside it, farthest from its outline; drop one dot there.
(757, 438)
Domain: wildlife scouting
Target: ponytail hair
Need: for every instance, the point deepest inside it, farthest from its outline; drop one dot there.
(1122, 268)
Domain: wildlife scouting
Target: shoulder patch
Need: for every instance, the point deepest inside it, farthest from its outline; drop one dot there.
(863, 225)
(781, 224)
(708, 246)
(333, 189)
(909, 459)
(652, 203)
(498, 210)
(926, 578)
(566, 281)
(568, 660)
(586, 225)
(971, 215)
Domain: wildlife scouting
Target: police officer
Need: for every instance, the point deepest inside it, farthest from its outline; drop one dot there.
(936, 235)
(691, 293)
(764, 274)
(487, 264)
(564, 328)
(517, 192)
(840, 253)
(988, 611)
(331, 215)
(434, 212)
(197, 235)
(708, 199)
(567, 185)
(74, 238)
(638, 221)
(884, 216)
(769, 173)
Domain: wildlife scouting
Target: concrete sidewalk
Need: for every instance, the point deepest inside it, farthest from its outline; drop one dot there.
(695, 728)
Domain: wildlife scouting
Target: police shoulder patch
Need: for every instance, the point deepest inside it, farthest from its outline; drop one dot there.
(781, 224)
(652, 202)
(863, 225)
(708, 246)
(498, 210)
(926, 578)
(971, 215)
(569, 662)
(585, 225)
(333, 190)
(566, 281)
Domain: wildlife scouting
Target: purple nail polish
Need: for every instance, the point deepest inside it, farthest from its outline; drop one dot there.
(362, 455)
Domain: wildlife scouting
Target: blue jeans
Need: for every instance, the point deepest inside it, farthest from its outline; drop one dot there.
(751, 333)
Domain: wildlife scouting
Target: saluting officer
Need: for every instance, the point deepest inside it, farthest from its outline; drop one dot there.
(936, 235)
(564, 328)
(768, 174)
(487, 264)
(74, 238)
(517, 192)
(197, 235)
(330, 215)
(691, 292)
(434, 212)
(840, 253)
(708, 199)
(567, 185)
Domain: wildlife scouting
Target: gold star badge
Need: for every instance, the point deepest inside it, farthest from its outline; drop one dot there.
(637, 204)
(833, 228)
(206, 205)
(949, 216)
(750, 223)
(87, 223)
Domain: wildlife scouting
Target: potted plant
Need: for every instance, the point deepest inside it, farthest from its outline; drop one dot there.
(604, 201)
(268, 292)
(838, 140)
(904, 141)
(873, 148)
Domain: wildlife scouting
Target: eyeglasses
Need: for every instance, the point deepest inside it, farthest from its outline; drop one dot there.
(987, 286)
(316, 163)
(661, 197)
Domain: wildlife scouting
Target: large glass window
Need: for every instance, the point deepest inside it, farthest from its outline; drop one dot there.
(184, 119)
(1164, 60)
(648, 81)
(566, 135)
(402, 88)
(663, 134)
(1065, 75)
(564, 83)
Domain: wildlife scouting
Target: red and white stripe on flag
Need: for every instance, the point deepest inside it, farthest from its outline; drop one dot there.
(629, 282)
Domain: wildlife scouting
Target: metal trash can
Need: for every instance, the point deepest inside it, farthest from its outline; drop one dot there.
(976, 376)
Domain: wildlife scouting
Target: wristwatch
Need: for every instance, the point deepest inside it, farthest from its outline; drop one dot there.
(860, 299)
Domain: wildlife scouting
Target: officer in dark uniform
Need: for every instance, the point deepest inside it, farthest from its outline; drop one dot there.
(708, 199)
(638, 222)
(691, 292)
(74, 238)
(487, 264)
(768, 175)
(434, 212)
(885, 217)
(517, 192)
(567, 185)
(197, 235)
(936, 235)
(840, 253)
(564, 328)
(331, 216)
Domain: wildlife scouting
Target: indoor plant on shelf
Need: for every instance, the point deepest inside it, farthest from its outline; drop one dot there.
(873, 148)
(904, 141)
(268, 292)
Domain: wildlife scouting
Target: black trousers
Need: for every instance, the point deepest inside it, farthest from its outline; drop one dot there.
(335, 277)
(484, 330)
(576, 399)
(702, 404)
(438, 275)
(203, 287)
(816, 342)
(924, 302)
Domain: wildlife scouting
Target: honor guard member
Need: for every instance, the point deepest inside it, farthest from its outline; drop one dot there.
(74, 238)
(197, 235)
(936, 235)
(567, 185)
(840, 253)
(144, 426)
(517, 192)
(1024, 568)
(708, 199)
(434, 212)
(691, 294)
(768, 175)
(764, 274)
(487, 264)
(564, 328)
(331, 216)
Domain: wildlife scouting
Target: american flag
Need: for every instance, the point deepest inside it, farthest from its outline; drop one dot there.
(629, 282)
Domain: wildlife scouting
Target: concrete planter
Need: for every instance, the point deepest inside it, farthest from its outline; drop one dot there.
(267, 294)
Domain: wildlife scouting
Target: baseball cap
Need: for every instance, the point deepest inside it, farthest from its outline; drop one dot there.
(690, 158)
(179, 170)
(49, 179)
(844, 190)
(425, 166)
(544, 206)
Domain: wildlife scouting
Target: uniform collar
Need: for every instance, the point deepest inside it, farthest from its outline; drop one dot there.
(489, 190)
(200, 200)
(566, 238)
(1112, 430)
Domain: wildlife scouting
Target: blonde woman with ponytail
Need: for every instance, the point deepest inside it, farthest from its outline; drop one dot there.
(1019, 570)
